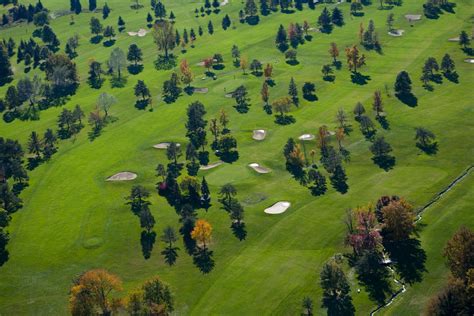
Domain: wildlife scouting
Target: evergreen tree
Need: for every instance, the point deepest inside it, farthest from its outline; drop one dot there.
(281, 40)
(293, 91)
(337, 17)
(92, 5)
(121, 24)
(210, 28)
(134, 54)
(6, 72)
(403, 84)
(325, 21)
(105, 11)
(78, 7)
(447, 65)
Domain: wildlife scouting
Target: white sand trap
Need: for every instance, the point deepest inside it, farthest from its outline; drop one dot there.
(123, 176)
(229, 95)
(259, 134)
(255, 166)
(278, 208)
(164, 145)
(454, 39)
(331, 133)
(469, 60)
(413, 17)
(132, 33)
(306, 137)
(223, 3)
(200, 90)
(212, 165)
(396, 33)
(142, 32)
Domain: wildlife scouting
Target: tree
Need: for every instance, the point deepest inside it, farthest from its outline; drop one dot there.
(154, 298)
(117, 61)
(186, 72)
(138, 199)
(380, 148)
(451, 300)
(339, 179)
(241, 99)
(377, 104)
(336, 17)
(282, 105)
(141, 90)
(196, 124)
(134, 54)
(78, 7)
(226, 194)
(205, 194)
(447, 65)
(265, 93)
(317, 182)
(235, 53)
(164, 36)
(250, 8)
(307, 306)
(281, 39)
(403, 84)
(267, 72)
(390, 20)
(459, 252)
(160, 10)
(95, 26)
(424, 137)
(354, 59)
(62, 73)
(398, 221)
(359, 110)
(464, 39)
(430, 66)
(226, 22)
(105, 101)
(109, 32)
(324, 21)
(336, 290)
(35, 145)
(5, 67)
(210, 28)
(293, 91)
(356, 6)
(202, 233)
(105, 11)
(93, 290)
(290, 55)
(171, 89)
(11, 161)
(334, 52)
(170, 252)
(49, 141)
(92, 5)
(243, 64)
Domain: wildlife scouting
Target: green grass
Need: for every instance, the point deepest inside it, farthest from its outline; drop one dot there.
(73, 220)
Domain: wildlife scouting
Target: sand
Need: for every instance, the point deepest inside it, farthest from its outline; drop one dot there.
(396, 33)
(454, 39)
(259, 134)
(306, 137)
(278, 207)
(212, 165)
(413, 17)
(223, 3)
(140, 33)
(123, 176)
(469, 60)
(164, 145)
(255, 166)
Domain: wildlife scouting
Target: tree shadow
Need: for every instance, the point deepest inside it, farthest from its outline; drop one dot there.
(468, 51)
(109, 43)
(96, 39)
(4, 256)
(310, 97)
(135, 69)
(374, 277)
(242, 109)
(116, 82)
(170, 254)
(239, 230)
(284, 119)
(283, 47)
(408, 98)
(358, 14)
(329, 78)
(218, 67)
(437, 78)
(141, 104)
(230, 156)
(18, 187)
(94, 133)
(383, 122)
(147, 240)
(452, 76)
(326, 29)
(252, 20)
(359, 78)
(409, 259)
(339, 185)
(308, 37)
(202, 258)
(385, 162)
(337, 64)
(292, 62)
(430, 149)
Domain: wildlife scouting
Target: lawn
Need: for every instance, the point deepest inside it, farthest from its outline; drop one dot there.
(73, 220)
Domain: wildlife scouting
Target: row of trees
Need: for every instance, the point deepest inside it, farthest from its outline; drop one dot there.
(22, 13)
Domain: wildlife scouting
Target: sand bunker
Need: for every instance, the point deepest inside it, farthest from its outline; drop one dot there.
(212, 165)
(259, 134)
(164, 145)
(469, 60)
(255, 166)
(223, 3)
(454, 39)
(230, 94)
(306, 137)
(278, 208)
(200, 90)
(123, 176)
(140, 33)
(396, 33)
(413, 17)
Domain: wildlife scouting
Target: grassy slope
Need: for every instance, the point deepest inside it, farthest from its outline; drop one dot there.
(441, 222)
(68, 203)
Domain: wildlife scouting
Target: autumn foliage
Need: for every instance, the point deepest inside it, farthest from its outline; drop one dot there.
(202, 232)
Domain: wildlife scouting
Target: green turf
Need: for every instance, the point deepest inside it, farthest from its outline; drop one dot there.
(73, 220)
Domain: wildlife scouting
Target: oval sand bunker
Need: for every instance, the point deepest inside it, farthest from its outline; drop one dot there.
(164, 145)
(212, 165)
(259, 134)
(255, 166)
(278, 207)
(306, 137)
(123, 176)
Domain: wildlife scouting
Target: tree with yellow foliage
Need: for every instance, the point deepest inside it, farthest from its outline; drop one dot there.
(92, 291)
(202, 232)
(186, 73)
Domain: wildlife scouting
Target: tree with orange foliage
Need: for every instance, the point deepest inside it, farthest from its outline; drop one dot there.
(354, 59)
(202, 232)
(92, 291)
(186, 73)
(267, 72)
(334, 52)
(243, 63)
(398, 220)
(208, 62)
(265, 93)
(340, 136)
(323, 137)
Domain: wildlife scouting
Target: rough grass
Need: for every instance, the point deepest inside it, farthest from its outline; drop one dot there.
(68, 203)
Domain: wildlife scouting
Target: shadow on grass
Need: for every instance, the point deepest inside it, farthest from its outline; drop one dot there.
(202, 258)
(359, 78)
(147, 240)
(409, 99)
(239, 230)
(135, 69)
(385, 162)
(409, 259)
